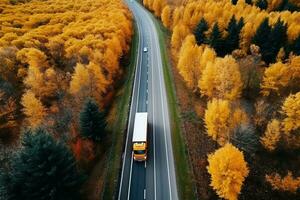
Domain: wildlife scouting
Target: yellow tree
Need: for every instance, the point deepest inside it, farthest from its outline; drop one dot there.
(166, 16)
(272, 135)
(287, 183)
(291, 110)
(158, 6)
(33, 109)
(275, 78)
(180, 31)
(228, 170)
(8, 113)
(88, 81)
(222, 79)
(189, 62)
(221, 119)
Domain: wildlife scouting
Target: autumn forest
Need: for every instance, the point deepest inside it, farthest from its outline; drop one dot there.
(235, 67)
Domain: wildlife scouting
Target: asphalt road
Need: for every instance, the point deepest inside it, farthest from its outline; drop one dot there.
(154, 179)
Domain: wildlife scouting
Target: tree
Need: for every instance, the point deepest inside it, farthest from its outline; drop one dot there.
(275, 78)
(8, 113)
(272, 135)
(291, 110)
(189, 62)
(92, 121)
(287, 183)
(228, 170)
(221, 119)
(221, 79)
(248, 2)
(199, 31)
(296, 46)
(262, 4)
(180, 31)
(261, 36)
(166, 16)
(234, 2)
(216, 41)
(33, 109)
(42, 169)
(233, 38)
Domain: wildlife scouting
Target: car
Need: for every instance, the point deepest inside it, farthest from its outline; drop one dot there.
(145, 49)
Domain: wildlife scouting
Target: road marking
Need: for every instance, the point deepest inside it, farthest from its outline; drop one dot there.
(145, 164)
(134, 84)
(153, 111)
(128, 195)
(163, 113)
(144, 193)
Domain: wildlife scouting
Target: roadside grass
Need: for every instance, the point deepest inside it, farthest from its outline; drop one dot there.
(119, 125)
(185, 183)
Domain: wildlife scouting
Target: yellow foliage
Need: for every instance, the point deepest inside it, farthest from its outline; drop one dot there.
(221, 119)
(272, 135)
(88, 80)
(291, 110)
(228, 170)
(33, 109)
(222, 79)
(275, 77)
(166, 16)
(180, 31)
(287, 183)
(8, 110)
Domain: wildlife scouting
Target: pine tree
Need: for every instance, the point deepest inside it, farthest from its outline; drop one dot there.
(216, 40)
(261, 37)
(199, 31)
(92, 121)
(262, 4)
(296, 46)
(42, 169)
(233, 39)
(277, 39)
(234, 2)
(248, 2)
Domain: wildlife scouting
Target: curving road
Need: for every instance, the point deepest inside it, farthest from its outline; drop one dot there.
(154, 179)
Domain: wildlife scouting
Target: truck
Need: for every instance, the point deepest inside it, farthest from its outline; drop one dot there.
(139, 138)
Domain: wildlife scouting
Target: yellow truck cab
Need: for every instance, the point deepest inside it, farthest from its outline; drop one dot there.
(139, 139)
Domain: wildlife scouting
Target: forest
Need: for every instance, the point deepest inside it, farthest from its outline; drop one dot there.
(236, 66)
(60, 66)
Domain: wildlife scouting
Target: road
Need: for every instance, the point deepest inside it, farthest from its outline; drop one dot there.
(154, 179)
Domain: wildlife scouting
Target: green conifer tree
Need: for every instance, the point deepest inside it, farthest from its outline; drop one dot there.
(234, 2)
(232, 40)
(216, 41)
(262, 4)
(43, 169)
(92, 121)
(199, 31)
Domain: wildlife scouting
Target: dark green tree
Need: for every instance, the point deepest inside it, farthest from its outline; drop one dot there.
(262, 4)
(249, 2)
(261, 37)
(296, 46)
(199, 31)
(276, 40)
(286, 5)
(216, 41)
(234, 2)
(92, 121)
(232, 41)
(43, 169)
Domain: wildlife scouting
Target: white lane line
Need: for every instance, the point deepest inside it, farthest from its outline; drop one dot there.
(128, 195)
(153, 111)
(144, 193)
(163, 108)
(145, 164)
(134, 83)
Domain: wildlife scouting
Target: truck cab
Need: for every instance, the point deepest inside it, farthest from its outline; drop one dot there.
(139, 139)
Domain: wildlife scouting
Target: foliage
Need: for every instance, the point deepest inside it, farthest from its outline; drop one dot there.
(262, 4)
(216, 41)
(287, 183)
(92, 121)
(200, 30)
(228, 171)
(42, 169)
(33, 109)
(166, 16)
(232, 40)
(221, 79)
(291, 110)
(221, 119)
(272, 135)
(8, 112)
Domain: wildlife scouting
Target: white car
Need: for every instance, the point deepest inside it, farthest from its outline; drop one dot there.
(145, 49)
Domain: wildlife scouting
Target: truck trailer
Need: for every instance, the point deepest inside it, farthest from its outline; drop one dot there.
(139, 139)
